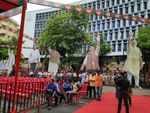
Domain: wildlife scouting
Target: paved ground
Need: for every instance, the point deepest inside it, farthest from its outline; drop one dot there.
(72, 108)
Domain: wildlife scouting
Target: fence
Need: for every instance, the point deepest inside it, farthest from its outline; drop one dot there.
(30, 93)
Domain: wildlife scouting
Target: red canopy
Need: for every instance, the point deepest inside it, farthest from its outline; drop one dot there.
(6, 5)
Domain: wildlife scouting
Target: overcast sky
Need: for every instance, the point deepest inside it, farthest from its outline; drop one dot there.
(32, 7)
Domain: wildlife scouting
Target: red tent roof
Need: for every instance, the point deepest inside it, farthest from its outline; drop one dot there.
(6, 5)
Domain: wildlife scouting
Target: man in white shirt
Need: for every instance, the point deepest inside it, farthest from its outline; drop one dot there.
(34, 59)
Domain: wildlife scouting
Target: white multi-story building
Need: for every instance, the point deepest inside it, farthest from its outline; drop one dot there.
(116, 31)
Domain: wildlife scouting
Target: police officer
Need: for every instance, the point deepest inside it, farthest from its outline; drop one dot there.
(122, 88)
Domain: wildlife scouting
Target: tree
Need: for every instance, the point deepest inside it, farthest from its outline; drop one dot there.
(143, 40)
(65, 33)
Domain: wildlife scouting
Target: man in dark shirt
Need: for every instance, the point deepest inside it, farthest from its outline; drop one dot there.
(122, 88)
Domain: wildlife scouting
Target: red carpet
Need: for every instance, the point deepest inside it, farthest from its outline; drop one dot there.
(141, 104)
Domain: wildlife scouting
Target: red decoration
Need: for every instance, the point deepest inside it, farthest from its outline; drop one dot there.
(98, 12)
(89, 10)
(78, 8)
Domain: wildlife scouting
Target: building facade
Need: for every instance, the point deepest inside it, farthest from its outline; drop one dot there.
(116, 31)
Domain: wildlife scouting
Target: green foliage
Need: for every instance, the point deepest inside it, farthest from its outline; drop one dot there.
(9, 42)
(144, 38)
(65, 33)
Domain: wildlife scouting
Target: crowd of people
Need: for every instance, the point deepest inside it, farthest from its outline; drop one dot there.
(65, 86)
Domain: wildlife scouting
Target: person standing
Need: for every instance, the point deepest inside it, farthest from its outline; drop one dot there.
(98, 85)
(92, 86)
(122, 91)
(34, 59)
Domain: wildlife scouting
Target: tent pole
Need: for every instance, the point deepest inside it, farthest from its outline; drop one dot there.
(20, 40)
(19, 48)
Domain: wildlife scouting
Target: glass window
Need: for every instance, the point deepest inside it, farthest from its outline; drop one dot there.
(145, 5)
(108, 24)
(121, 10)
(125, 45)
(124, 22)
(89, 27)
(116, 35)
(119, 46)
(98, 4)
(94, 26)
(98, 25)
(103, 25)
(115, 9)
(126, 8)
(127, 33)
(94, 5)
(103, 4)
(142, 14)
(118, 1)
(113, 23)
(121, 34)
(108, 3)
(110, 35)
(113, 2)
(113, 46)
(118, 23)
(105, 35)
(132, 8)
(138, 6)
(89, 5)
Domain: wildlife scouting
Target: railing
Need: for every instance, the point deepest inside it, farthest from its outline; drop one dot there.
(27, 94)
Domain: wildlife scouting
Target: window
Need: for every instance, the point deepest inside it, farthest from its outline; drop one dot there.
(89, 5)
(138, 6)
(118, 23)
(110, 10)
(121, 10)
(126, 8)
(103, 4)
(98, 25)
(124, 22)
(123, 1)
(132, 8)
(130, 22)
(119, 46)
(113, 2)
(98, 4)
(127, 33)
(145, 5)
(148, 14)
(116, 35)
(108, 3)
(115, 9)
(110, 35)
(103, 25)
(94, 5)
(89, 27)
(118, 1)
(108, 24)
(125, 45)
(121, 34)
(94, 26)
(113, 23)
(113, 46)
(105, 35)
(142, 14)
